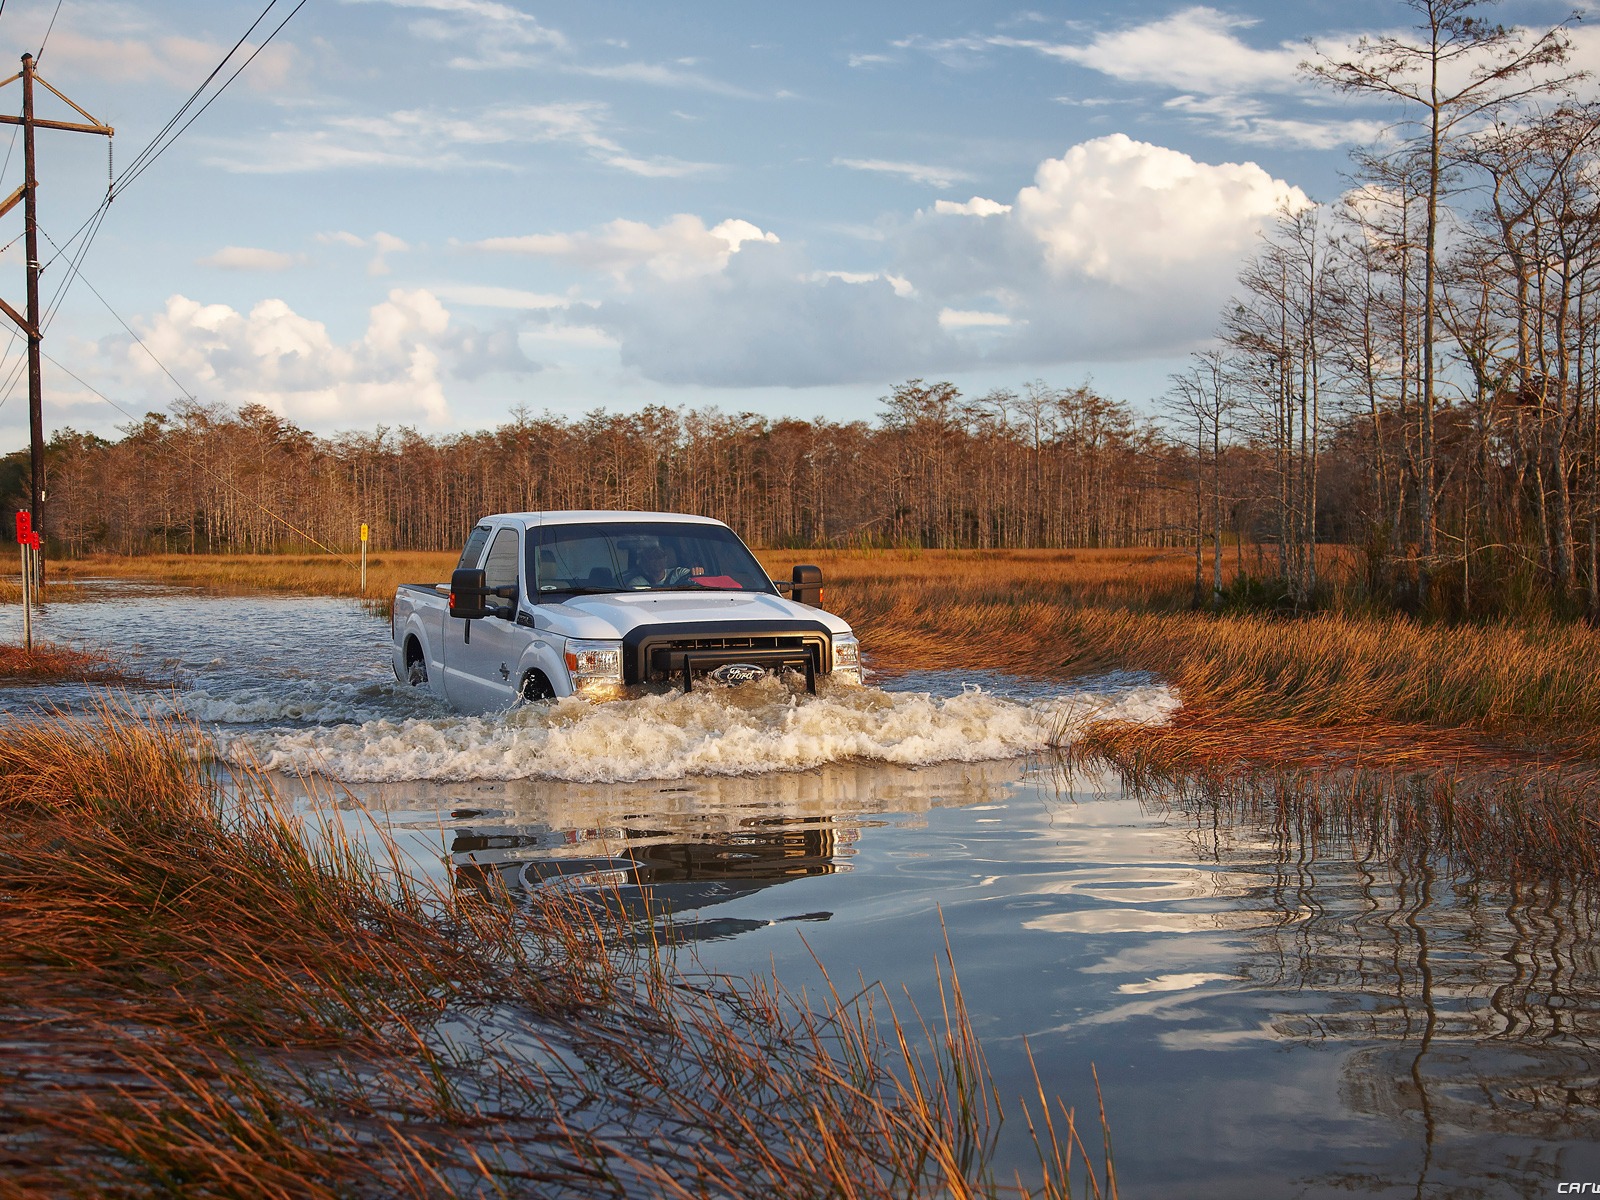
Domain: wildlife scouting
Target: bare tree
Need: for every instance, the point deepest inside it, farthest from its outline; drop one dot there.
(1203, 394)
(1458, 73)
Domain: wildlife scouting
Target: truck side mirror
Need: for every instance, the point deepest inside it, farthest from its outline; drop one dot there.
(467, 595)
(805, 585)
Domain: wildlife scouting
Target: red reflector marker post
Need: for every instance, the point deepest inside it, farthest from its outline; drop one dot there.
(28, 544)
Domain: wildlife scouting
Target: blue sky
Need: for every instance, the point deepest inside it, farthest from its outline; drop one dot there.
(428, 212)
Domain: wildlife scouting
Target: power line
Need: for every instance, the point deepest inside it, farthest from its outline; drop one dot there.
(185, 391)
(169, 133)
(158, 144)
(195, 95)
(74, 264)
(47, 31)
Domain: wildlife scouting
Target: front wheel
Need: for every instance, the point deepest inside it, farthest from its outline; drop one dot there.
(535, 687)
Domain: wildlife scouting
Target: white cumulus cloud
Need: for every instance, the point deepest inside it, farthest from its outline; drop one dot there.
(290, 363)
(1117, 248)
(1129, 212)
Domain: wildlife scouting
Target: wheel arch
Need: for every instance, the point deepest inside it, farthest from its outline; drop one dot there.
(535, 685)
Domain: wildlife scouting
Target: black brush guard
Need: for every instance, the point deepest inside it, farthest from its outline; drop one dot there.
(680, 652)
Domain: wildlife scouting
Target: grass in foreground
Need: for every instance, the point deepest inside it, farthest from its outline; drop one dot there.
(200, 999)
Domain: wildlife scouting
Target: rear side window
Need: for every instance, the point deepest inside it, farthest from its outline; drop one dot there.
(500, 569)
(473, 550)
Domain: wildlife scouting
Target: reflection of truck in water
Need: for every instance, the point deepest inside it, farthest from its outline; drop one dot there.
(657, 874)
(544, 605)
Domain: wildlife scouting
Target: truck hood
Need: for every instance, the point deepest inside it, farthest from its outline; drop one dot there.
(615, 616)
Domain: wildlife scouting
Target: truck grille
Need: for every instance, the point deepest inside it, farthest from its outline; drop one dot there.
(663, 653)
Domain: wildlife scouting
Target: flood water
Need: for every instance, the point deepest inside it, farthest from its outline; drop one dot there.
(1267, 1018)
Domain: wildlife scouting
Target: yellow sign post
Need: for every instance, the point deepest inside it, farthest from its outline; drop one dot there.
(363, 558)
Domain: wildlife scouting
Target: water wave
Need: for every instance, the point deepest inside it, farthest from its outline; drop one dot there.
(759, 728)
(306, 700)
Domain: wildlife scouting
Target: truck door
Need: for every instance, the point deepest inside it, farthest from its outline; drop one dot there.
(481, 675)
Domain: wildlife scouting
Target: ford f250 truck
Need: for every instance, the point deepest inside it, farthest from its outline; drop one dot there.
(602, 604)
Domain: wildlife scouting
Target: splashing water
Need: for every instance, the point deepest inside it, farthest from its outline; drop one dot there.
(758, 728)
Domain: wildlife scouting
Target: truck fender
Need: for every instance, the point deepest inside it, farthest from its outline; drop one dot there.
(540, 662)
(412, 643)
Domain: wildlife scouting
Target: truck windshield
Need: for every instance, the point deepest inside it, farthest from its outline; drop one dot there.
(639, 556)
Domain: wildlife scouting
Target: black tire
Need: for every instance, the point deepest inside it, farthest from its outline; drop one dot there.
(536, 687)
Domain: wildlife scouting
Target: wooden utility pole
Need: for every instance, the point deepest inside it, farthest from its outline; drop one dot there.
(29, 324)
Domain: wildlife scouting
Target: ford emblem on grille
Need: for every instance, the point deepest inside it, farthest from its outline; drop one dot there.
(734, 674)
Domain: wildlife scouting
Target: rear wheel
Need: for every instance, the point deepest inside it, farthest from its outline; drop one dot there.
(416, 672)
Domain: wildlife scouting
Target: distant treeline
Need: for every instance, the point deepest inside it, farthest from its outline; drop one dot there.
(1044, 467)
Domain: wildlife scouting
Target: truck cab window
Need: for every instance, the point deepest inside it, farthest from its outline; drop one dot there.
(500, 568)
(472, 552)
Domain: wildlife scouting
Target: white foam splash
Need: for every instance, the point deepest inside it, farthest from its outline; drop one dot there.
(712, 731)
(304, 701)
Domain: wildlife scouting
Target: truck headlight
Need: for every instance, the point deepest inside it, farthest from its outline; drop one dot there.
(595, 667)
(846, 658)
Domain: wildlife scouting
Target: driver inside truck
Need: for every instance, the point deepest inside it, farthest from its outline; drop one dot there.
(653, 567)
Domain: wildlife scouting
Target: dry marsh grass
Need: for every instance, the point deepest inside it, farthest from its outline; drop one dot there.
(1537, 684)
(202, 999)
(48, 663)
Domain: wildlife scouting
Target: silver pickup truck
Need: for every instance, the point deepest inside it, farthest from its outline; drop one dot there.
(601, 604)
